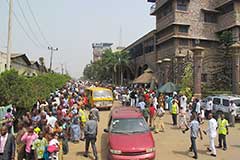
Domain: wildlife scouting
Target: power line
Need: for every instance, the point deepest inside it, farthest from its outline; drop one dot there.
(22, 27)
(28, 24)
(38, 26)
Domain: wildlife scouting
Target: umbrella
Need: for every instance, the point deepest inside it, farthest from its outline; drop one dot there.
(168, 88)
(145, 78)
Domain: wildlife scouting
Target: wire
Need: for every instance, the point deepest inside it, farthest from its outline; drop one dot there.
(28, 24)
(21, 26)
(38, 26)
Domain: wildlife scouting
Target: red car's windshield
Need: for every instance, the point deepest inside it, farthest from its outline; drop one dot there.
(131, 125)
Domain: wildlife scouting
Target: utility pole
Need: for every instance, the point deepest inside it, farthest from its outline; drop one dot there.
(62, 69)
(51, 58)
(9, 42)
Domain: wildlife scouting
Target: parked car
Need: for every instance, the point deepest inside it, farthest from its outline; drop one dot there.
(129, 136)
(221, 104)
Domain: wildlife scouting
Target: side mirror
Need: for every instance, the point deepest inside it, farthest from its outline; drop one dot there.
(106, 130)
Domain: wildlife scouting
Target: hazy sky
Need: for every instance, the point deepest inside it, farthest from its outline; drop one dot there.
(73, 25)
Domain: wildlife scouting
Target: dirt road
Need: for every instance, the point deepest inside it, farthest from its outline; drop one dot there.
(170, 145)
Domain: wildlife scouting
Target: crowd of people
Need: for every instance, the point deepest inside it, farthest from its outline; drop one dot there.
(44, 133)
(186, 115)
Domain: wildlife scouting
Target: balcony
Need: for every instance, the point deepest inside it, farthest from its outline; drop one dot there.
(153, 9)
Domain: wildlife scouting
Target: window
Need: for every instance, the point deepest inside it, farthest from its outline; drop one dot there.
(216, 101)
(183, 42)
(183, 29)
(182, 5)
(210, 17)
(225, 102)
(226, 8)
(129, 125)
(164, 10)
(204, 77)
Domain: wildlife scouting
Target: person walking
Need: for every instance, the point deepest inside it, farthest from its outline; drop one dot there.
(28, 138)
(75, 130)
(174, 112)
(95, 113)
(91, 136)
(7, 145)
(233, 113)
(212, 133)
(222, 132)
(158, 120)
(209, 107)
(183, 102)
(194, 127)
(39, 146)
(152, 111)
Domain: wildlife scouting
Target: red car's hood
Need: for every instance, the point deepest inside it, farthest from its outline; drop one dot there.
(131, 142)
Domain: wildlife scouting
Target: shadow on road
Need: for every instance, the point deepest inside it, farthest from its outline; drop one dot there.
(236, 146)
(183, 153)
(189, 154)
(104, 146)
(81, 154)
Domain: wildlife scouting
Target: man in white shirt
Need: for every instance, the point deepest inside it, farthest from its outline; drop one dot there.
(183, 102)
(51, 120)
(233, 113)
(198, 106)
(209, 107)
(141, 105)
(212, 133)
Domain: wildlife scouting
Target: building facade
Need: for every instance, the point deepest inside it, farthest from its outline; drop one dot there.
(98, 50)
(22, 64)
(184, 24)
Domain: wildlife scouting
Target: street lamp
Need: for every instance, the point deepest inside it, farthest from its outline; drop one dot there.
(51, 58)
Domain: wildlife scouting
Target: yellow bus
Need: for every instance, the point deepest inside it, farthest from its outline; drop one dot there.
(101, 97)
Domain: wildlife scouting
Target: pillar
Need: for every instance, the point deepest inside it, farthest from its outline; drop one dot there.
(180, 68)
(235, 48)
(197, 70)
(167, 65)
(159, 71)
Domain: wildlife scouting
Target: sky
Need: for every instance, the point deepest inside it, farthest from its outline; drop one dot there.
(72, 26)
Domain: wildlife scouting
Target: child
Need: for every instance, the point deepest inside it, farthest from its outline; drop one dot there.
(53, 147)
(39, 146)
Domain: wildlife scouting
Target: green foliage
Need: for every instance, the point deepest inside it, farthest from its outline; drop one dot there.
(23, 92)
(187, 81)
(226, 38)
(105, 69)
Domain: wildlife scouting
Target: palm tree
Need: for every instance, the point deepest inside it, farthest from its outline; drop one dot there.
(116, 62)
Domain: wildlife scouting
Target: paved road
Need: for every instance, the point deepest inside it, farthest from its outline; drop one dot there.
(172, 144)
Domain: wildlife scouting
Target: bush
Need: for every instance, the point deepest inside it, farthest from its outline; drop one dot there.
(23, 91)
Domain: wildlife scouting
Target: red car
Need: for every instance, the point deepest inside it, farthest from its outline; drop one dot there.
(129, 136)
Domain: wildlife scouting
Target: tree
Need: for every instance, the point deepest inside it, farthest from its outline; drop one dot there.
(223, 78)
(23, 92)
(109, 67)
(187, 80)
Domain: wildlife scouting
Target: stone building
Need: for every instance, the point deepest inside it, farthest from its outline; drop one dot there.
(182, 25)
